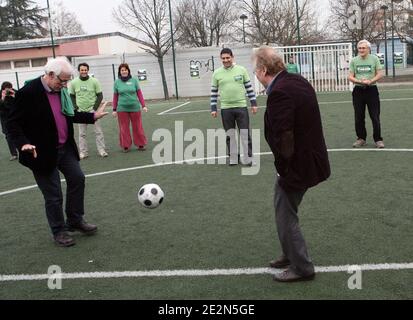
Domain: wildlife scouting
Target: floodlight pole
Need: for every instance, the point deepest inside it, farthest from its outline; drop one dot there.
(50, 27)
(392, 33)
(173, 49)
(298, 22)
(385, 39)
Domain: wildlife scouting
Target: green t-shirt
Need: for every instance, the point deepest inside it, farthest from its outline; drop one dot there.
(128, 98)
(230, 83)
(85, 92)
(365, 68)
(292, 68)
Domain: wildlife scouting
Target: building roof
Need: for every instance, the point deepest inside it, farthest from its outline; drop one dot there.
(47, 42)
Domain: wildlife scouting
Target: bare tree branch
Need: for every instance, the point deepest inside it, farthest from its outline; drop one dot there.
(150, 20)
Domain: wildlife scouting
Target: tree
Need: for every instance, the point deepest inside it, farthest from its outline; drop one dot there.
(275, 21)
(21, 19)
(64, 22)
(202, 23)
(150, 19)
(364, 19)
(357, 19)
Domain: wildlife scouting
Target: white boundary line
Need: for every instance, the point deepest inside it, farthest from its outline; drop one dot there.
(198, 272)
(195, 160)
(260, 107)
(181, 105)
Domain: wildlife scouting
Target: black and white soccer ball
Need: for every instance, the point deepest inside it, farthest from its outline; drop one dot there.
(150, 195)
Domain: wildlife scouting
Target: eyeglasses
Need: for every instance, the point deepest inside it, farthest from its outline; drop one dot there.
(361, 48)
(62, 81)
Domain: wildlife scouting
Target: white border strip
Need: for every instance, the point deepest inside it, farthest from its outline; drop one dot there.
(198, 272)
(195, 160)
(320, 103)
(181, 105)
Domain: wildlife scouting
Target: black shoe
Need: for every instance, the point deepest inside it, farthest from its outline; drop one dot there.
(83, 227)
(279, 263)
(62, 239)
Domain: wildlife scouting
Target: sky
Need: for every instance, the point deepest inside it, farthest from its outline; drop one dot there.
(96, 15)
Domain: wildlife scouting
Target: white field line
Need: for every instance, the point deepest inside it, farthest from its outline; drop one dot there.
(181, 105)
(198, 272)
(260, 107)
(3, 193)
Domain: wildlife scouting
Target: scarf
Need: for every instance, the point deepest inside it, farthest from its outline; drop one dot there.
(67, 105)
(125, 78)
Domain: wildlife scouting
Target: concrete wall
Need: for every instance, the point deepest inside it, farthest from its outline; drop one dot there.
(117, 45)
(206, 58)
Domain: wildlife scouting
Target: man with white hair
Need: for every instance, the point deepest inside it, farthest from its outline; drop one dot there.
(294, 132)
(41, 126)
(365, 71)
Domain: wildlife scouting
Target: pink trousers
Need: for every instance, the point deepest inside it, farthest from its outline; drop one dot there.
(125, 140)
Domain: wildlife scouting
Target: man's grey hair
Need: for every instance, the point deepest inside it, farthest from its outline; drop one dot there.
(58, 66)
(365, 42)
(268, 58)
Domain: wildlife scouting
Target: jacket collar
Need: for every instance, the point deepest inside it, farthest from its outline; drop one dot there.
(277, 77)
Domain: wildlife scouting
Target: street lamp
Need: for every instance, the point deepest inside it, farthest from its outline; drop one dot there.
(298, 22)
(384, 8)
(243, 17)
(392, 34)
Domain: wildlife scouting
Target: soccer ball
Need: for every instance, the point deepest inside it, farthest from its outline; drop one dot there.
(150, 195)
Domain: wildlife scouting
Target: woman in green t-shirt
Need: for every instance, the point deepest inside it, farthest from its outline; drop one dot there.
(127, 104)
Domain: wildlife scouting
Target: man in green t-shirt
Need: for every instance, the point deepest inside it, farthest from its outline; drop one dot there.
(365, 71)
(233, 84)
(86, 94)
(292, 67)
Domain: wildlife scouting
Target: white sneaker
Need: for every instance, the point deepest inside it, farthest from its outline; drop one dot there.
(82, 156)
(359, 143)
(380, 144)
(103, 154)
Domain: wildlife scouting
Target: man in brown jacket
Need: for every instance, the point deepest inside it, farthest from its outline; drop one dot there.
(294, 133)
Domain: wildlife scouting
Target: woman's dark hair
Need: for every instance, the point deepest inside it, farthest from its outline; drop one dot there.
(6, 85)
(83, 64)
(123, 65)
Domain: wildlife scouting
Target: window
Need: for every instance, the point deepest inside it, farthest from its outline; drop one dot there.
(5, 65)
(22, 64)
(40, 62)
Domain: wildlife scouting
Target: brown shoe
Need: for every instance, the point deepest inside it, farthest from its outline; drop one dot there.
(290, 276)
(83, 227)
(281, 262)
(63, 239)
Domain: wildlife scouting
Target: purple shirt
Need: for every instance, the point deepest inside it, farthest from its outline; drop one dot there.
(59, 117)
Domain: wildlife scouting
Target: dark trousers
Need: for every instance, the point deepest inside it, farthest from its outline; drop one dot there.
(12, 148)
(232, 118)
(51, 188)
(289, 233)
(362, 96)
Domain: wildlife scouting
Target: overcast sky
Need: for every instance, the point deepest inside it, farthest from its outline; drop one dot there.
(96, 15)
